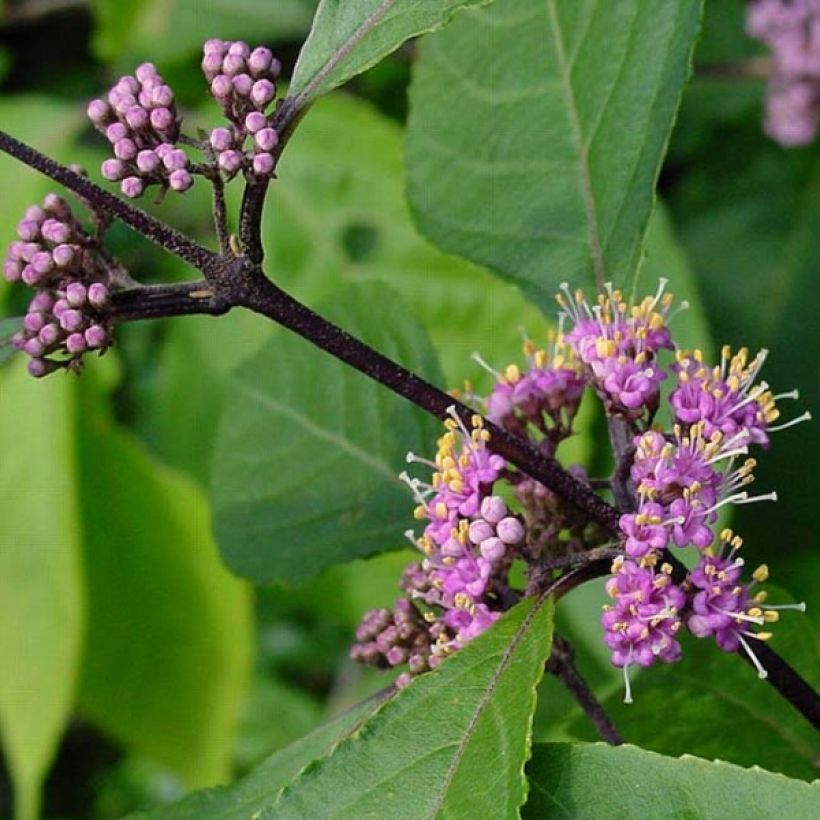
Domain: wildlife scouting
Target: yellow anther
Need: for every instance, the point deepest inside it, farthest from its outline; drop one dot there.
(512, 374)
(540, 359)
(761, 573)
(771, 616)
(755, 612)
(763, 636)
(761, 596)
(441, 510)
(420, 512)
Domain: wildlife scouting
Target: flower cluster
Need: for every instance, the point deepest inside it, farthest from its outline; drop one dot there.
(675, 481)
(61, 261)
(140, 120)
(243, 82)
(791, 29)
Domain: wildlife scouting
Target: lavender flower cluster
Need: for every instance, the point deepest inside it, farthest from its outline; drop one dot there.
(679, 479)
(139, 117)
(67, 315)
(791, 29)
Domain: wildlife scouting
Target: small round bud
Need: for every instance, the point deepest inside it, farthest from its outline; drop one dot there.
(98, 294)
(262, 93)
(267, 139)
(162, 96)
(180, 180)
(396, 655)
(275, 68)
(239, 49)
(96, 337)
(127, 85)
(34, 348)
(19, 340)
(132, 187)
(230, 161)
(116, 132)
(162, 120)
(55, 231)
(125, 149)
(175, 160)
(255, 121)
(30, 275)
(49, 334)
(34, 213)
(215, 46)
(221, 139)
(233, 64)
(99, 112)
(64, 255)
(75, 343)
(113, 169)
(492, 549)
(39, 368)
(42, 301)
(55, 205)
(259, 61)
(34, 322)
(146, 72)
(137, 118)
(42, 262)
(28, 230)
(71, 320)
(510, 530)
(12, 270)
(60, 307)
(148, 161)
(480, 531)
(243, 84)
(75, 294)
(212, 64)
(122, 102)
(493, 509)
(221, 87)
(263, 164)
(163, 149)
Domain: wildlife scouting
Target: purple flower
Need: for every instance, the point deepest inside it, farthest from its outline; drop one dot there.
(645, 530)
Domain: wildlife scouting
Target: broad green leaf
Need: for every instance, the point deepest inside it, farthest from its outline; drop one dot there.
(51, 126)
(598, 782)
(455, 740)
(350, 36)
(308, 451)
(169, 630)
(720, 708)
(41, 585)
(537, 131)
(252, 793)
(8, 327)
(171, 30)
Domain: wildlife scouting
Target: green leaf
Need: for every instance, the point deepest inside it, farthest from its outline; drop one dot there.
(171, 30)
(308, 452)
(456, 740)
(169, 630)
(41, 620)
(518, 153)
(718, 708)
(350, 36)
(51, 126)
(252, 793)
(598, 782)
(8, 327)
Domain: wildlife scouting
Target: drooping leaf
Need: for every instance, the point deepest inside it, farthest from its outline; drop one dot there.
(349, 36)
(456, 739)
(518, 153)
(308, 451)
(598, 782)
(41, 585)
(170, 30)
(252, 793)
(169, 630)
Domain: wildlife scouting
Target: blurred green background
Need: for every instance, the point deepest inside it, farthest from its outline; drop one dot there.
(117, 618)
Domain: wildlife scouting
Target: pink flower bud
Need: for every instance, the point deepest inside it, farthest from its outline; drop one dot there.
(132, 187)
(175, 160)
(259, 61)
(255, 121)
(75, 294)
(233, 64)
(127, 85)
(64, 255)
(113, 169)
(31, 276)
(212, 64)
(12, 270)
(75, 343)
(34, 322)
(275, 68)
(28, 230)
(230, 161)
(493, 509)
(55, 231)
(71, 320)
(262, 93)
(162, 96)
(42, 262)
(163, 149)
(180, 180)
(96, 337)
(267, 139)
(263, 164)
(510, 530)
(239, 49)
(55, 205)
(215, 46)
(221, 139)
(162, 120)
(34, 348)
(137, 118)
(116, 132)
(148, 161)
(49, 334)
(243, 84)
(146, 72)
(60, 307)
(98, 294)
(480, 531)
(492, 549)
(99, 112)
(42, 301)
(221, 88)
(125, 149)
(39, 368)
(35, 213)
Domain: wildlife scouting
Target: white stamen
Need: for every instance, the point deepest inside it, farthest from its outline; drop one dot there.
(805, 417)
(741, 451)
(761, 672)
(627, 687)
(740, 616)
(801, 607)
(412, 458)
(479, 360)
(792, 394)
(772, 496)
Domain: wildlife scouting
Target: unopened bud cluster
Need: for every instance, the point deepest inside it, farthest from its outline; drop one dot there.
(791, 29)
(67, 315)
(677, 480)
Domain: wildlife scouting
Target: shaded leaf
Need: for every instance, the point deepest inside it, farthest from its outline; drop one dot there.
(169, 630)
(517, 151)
(308, 452)
(598, 782)
(41, 585)
(456, 739)
(8, 327)
(350, 36)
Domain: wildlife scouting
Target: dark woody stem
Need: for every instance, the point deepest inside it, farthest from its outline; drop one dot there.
(233, 282)
(561, 663)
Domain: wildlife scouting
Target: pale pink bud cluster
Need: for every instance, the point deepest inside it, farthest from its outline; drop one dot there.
(140, 120)
(243, 81)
